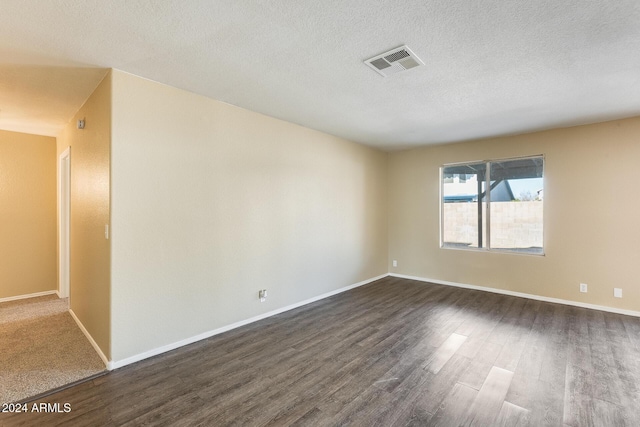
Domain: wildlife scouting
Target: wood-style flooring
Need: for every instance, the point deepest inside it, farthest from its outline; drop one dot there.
(392, 353)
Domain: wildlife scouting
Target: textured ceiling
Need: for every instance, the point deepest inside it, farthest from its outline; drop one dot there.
(41, 99)
(492, 67)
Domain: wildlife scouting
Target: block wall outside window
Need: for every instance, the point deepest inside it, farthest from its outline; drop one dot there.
(510, 216)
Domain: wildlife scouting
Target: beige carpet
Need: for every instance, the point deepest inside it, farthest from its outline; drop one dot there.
(41, 348)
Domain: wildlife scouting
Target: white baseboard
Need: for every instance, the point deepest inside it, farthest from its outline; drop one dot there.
(37, 294)
(147, 354)
(91, 340)
(522, 295)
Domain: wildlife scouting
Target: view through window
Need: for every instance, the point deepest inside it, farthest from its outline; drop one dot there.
(496, 205)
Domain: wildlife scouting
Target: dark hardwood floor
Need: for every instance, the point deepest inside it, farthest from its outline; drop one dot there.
(392, 353)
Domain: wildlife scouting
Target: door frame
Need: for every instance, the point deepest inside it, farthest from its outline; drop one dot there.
(64, 216)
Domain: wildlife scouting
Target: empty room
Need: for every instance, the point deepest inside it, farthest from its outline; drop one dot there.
(319, 213)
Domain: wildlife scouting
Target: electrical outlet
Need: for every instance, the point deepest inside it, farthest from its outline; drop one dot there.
(583, 287)
(262, 294)
(617, 292)
(395, 262)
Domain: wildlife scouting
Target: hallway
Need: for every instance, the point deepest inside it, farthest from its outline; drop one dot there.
(42, 348)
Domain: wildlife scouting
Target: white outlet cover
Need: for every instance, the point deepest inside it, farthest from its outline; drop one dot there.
(395, 263)
(583, 287)
(617, 292)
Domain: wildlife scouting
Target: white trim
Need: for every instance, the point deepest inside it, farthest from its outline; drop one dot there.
(154, 352)
(522, 295)
(64, 213)
(95, 345)
(34, 295)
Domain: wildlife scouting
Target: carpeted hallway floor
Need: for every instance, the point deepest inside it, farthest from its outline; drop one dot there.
(41, 348)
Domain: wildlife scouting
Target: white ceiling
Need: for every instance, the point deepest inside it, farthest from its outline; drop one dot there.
(493, 67)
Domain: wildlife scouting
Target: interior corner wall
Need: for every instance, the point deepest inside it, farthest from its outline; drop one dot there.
(27, 214)
(89, 274)
(591, 211)
(211, 203)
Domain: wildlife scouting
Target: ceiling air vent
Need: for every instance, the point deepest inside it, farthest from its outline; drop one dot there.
(394, 61)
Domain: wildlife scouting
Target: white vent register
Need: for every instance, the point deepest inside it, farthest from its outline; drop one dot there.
(394, 61)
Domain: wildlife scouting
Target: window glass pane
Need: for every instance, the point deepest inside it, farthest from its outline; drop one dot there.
(517, 195)
(463, 186)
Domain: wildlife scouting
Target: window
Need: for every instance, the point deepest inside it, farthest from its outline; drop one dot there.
(493, 205)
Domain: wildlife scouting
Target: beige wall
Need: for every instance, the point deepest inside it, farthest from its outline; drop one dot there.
(27, 214)
(590, 171)
(90, 251)
(211, 203)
